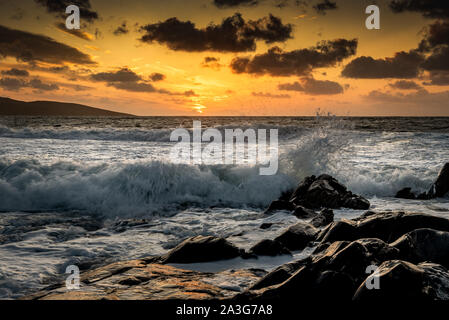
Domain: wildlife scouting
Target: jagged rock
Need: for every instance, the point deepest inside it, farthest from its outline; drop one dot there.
(201, 249)
(278, 205)
(405, 193)
(441, 186)
(402, 280)
(325, 217)
(388, 226)
(298, 236)
(422, 245)
(332, 274)
(326, 192)
(137, 280)
(269, 248)
(304, 213)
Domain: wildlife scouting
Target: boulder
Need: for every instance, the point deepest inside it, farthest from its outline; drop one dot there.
(278, 205)
(388, 226)
(332, 274)
(202, 249)
(441, 186)
(422, 245)
(269, 248)
(298, 236)
(304, 213)
(404, 281)
(326, 192)
(405, 193)
(325, 217)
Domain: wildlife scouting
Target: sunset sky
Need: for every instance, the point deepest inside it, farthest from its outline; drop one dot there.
(230, 57)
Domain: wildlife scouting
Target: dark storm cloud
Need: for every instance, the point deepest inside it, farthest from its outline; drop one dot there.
(436, 42)
(314, 87)
(58, 8)
(126, 79)
(121, 29)
(277, 62)
(75, 32)
(157, 77)
(295, 86)
(39, 85)
(402, 65)
(324, 6)
(405, 85)
(438, 78)
(31, 47)
(16, 72)
(436, 34)
(270, 95)
(234, 34)
(122, 75)
(439, 60)
(321, 87)
(14, 84)
(235, 3)
(211, 62)
(133, 86)
(428, 8)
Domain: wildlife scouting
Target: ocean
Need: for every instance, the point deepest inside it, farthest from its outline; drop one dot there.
(89, 191)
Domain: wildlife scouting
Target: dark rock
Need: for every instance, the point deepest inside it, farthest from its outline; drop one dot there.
(441, 186)
(326, 192)
(201, 249)
(325, 217)
(405, 193)
(304, 213)
(279, 274)
(265, 225)
(298, 236)
(269, 248)
(333, 274)
(404, 281)
(388, 226)
(278, 205)
(422, 245)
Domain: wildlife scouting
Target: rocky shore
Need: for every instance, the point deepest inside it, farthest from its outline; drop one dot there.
(408, 253)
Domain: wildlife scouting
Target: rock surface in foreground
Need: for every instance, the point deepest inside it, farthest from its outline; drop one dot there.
(136, 280)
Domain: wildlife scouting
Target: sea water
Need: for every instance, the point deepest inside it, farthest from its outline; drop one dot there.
(89, 191)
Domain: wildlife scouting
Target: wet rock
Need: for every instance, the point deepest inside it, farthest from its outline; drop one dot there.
(265, 225)
(298, 236)
(422, 245)
(326, 192)
(388, 226)
(201, 249)
(325, 217)
(137, 280)
(304, 213)
(405, 193)
(404, 281)
(441, 186)
(269, 248)
(278, 205)
(332, 274)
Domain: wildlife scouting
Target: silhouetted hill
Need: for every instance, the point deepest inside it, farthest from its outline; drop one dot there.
(10, 107)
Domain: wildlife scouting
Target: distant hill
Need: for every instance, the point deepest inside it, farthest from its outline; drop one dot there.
(10, 107)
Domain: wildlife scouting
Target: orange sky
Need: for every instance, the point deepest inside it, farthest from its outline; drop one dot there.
(189, 86)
